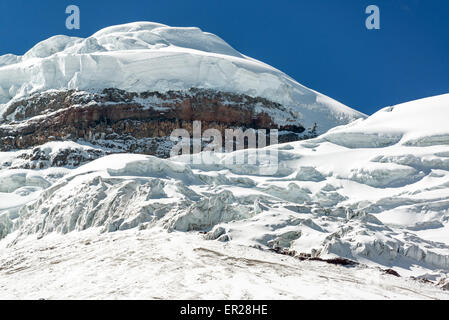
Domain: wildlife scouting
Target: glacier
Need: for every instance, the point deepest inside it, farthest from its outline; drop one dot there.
(382, 205)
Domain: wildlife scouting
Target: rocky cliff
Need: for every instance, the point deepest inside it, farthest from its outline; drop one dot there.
(134, 122)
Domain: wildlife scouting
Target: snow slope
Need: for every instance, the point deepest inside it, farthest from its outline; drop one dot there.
(375, 191)
(418, 123)
(144, 56)
(156, 265)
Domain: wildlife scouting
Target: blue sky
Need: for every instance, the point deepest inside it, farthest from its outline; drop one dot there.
(323, 44)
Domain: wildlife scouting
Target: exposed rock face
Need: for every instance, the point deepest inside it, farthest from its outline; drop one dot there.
(40, 158)
(134, 122)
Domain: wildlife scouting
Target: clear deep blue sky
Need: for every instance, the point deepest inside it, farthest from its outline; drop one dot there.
(323, 44)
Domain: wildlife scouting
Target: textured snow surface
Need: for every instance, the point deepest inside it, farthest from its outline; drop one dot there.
(145, 56)
(347, 193)
(157, 265)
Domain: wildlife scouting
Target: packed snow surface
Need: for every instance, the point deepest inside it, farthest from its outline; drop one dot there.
(155, 265)
(146, 56)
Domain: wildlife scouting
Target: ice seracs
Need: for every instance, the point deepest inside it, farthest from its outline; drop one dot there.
(382, 204)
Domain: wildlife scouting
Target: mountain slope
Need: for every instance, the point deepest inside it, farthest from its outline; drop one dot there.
(145, 56)
(362, 192)
(156, 265)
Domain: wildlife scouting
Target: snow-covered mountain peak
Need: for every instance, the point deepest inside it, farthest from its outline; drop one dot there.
(133, 36)
(130, 27)
(147, 56)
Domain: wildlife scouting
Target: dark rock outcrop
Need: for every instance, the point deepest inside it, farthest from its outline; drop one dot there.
(134, 122)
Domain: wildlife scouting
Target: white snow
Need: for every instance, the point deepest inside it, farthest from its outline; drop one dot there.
(146, 56)
(417, 123)
(383, 206)
(156, 265)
